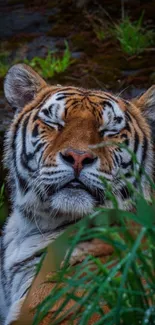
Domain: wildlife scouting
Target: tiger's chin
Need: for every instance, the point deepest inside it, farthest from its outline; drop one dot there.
(74, 203)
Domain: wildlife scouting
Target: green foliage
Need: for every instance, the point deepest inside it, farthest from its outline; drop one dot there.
(4, 65)
(132, 36)
(51, 65)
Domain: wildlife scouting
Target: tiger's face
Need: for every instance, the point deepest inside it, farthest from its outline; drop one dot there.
(64, 139)
(68, 123)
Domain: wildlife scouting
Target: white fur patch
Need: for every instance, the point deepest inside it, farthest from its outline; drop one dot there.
(55, 110)
(111, 115)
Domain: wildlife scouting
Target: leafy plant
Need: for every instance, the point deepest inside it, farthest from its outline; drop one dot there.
(132, 36)
(51, 65)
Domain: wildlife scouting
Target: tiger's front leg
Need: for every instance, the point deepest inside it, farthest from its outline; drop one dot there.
(94, 247)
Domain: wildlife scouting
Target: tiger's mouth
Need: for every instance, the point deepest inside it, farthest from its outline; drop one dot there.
(76, 185)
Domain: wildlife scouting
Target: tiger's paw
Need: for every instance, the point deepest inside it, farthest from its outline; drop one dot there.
(94, 247)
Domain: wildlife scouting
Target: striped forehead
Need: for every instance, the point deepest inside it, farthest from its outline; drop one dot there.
(58, 104)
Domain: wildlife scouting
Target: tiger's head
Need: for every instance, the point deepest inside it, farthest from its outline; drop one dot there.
(63, 139)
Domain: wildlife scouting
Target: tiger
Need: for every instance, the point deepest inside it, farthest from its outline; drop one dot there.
(62, 142)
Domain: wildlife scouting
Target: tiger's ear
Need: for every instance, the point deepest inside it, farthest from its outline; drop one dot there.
(146, 103)
(21, 84)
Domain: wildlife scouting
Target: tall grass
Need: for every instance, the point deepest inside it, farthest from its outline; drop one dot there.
(123, 285)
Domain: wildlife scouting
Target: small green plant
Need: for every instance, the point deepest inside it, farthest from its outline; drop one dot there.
(50, 65)
(132, 37)
(4, 65)
(100, 34)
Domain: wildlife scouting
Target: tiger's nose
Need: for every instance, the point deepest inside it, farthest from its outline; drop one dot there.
(78, 159)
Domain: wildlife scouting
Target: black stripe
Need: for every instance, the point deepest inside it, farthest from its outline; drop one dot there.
(40, 146)
(3, 275)
(26, 158)
(35, 142)
(61, 97)
(136, 142)
(35, 117)
(18, 265)
(57, 110)
(22, 182)
(45, 111)
(124, 192)
(129, 163)
(144, 154)
(21, 266)
(71, 101)
(112, 98)
(54, 172)
(128, 116)
(127, 127)
(35, 131)
(24, 129)
(125, 137)
(145, 148)
(108, 104)
(116, 132)
(72, 105)
(118, 119)
(50, 108)
(127, 175)
(116, 158)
